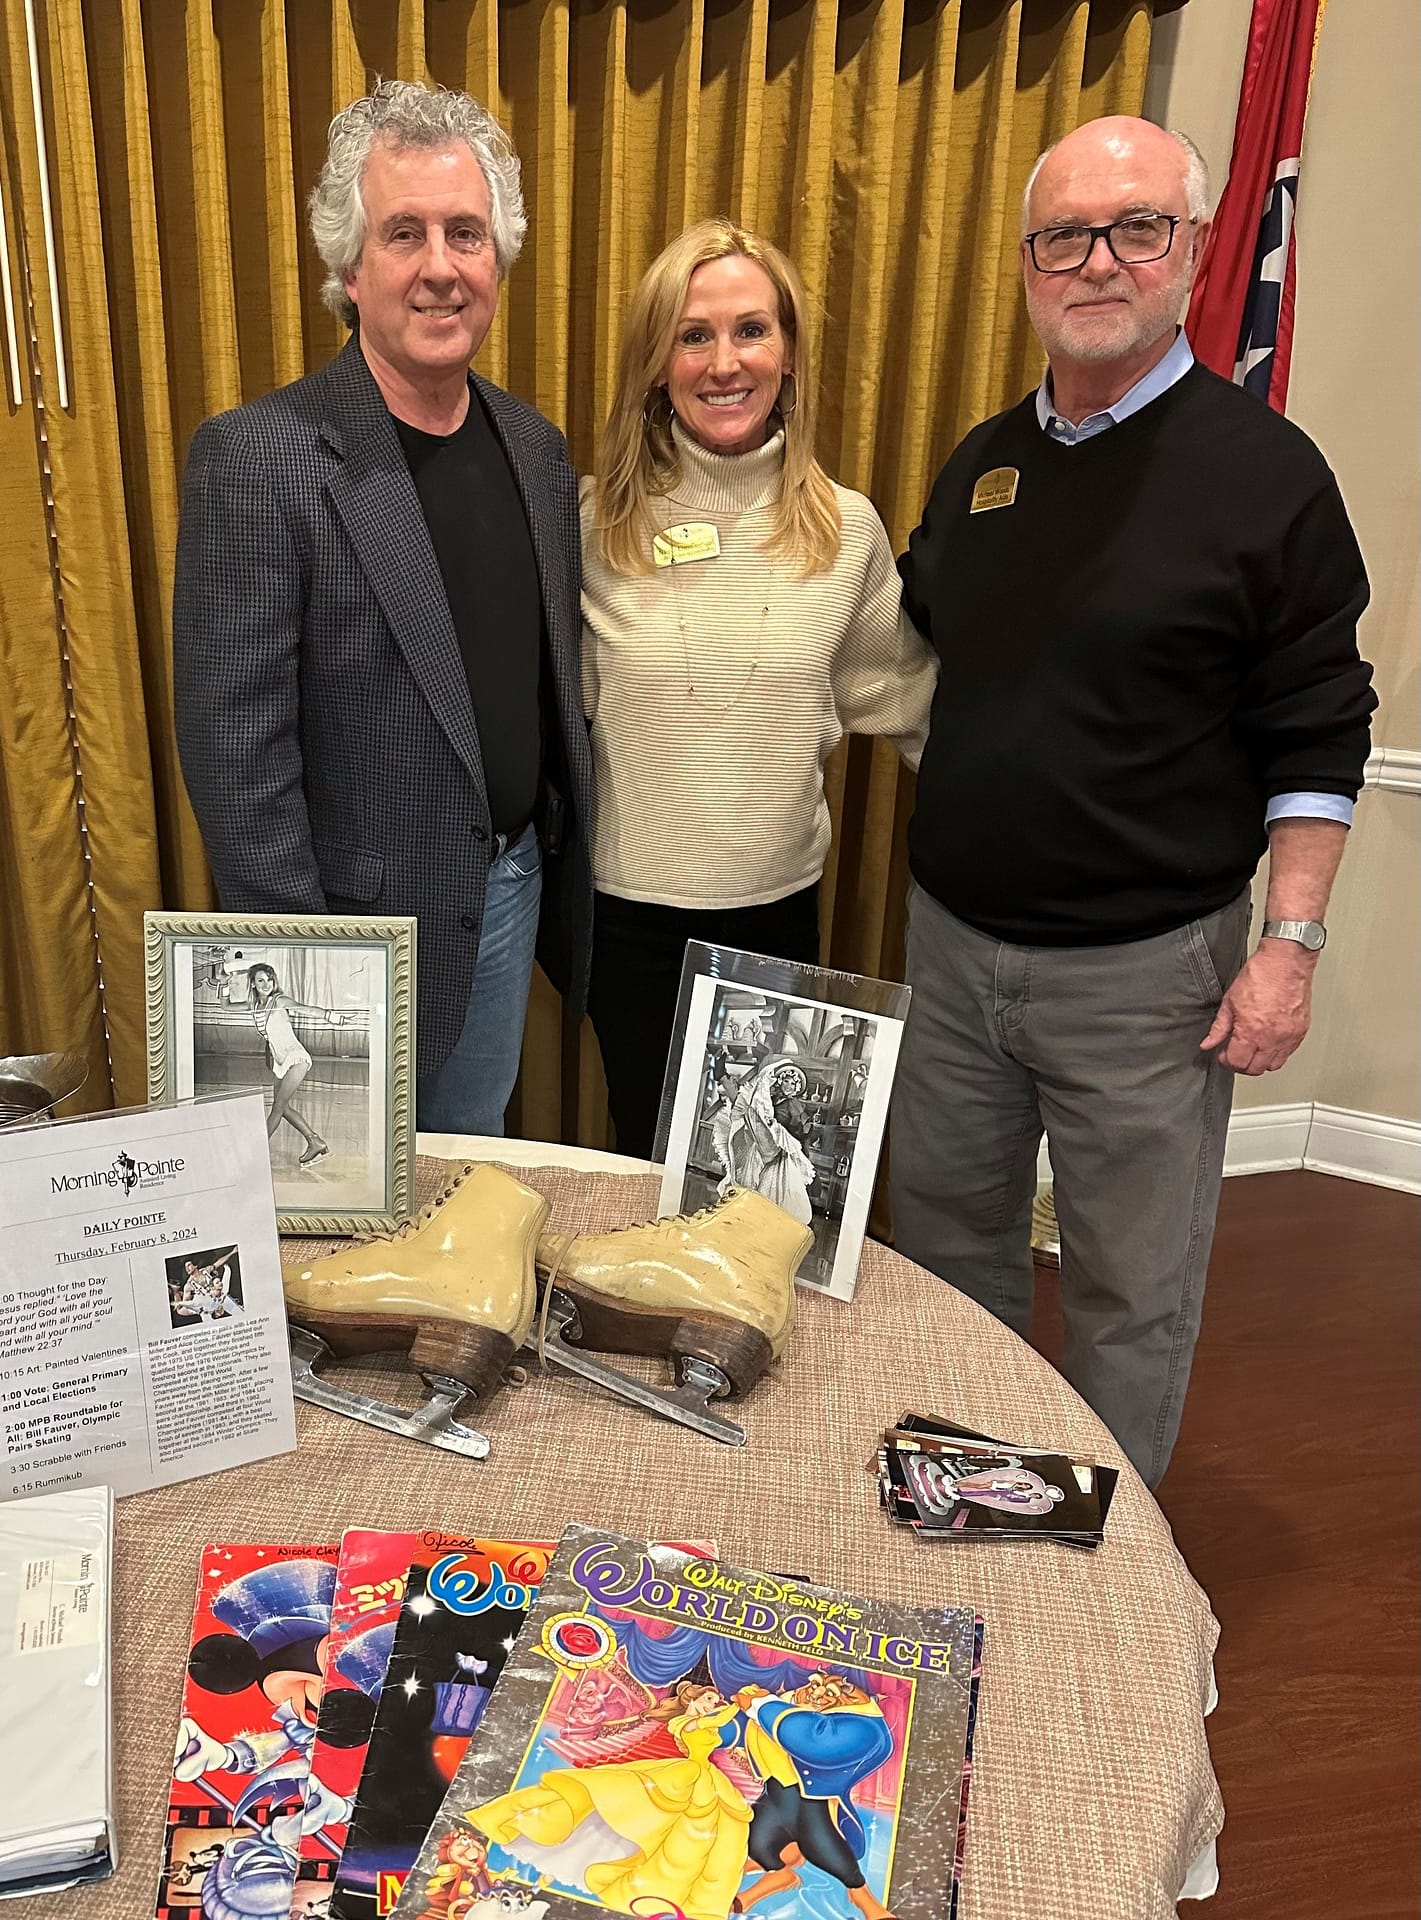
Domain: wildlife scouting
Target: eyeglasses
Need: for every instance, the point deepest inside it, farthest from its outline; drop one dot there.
(1134, 242)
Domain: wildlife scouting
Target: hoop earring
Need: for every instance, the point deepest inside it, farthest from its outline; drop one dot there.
(649, 415)
(788, 412)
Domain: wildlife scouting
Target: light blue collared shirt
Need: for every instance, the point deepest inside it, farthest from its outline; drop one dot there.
(1160, 378)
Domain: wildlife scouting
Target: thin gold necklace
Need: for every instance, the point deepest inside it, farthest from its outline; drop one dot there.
(744, 686)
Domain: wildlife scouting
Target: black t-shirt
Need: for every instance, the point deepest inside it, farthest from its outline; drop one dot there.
(1155, 637)
(485, 554)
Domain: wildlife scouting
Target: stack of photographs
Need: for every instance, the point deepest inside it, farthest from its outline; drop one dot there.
(948, 1482)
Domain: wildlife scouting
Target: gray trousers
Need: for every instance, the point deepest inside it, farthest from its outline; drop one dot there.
(1100, 1047)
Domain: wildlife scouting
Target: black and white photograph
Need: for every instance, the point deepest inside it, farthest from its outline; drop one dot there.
(785, 1096)
(204, 1286)
(310, 1022)
(308, 1033)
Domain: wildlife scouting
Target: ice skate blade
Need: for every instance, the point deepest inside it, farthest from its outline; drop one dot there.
(686, 1403)
(433, 1423)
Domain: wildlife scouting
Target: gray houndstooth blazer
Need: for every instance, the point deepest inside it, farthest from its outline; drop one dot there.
(324, 722)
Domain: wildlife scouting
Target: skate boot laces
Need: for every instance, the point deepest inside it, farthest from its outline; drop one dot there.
(678, 1219)
(419, 1220)
(563, 1243)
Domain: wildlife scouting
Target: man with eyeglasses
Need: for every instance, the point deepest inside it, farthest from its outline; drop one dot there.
(1144, 590)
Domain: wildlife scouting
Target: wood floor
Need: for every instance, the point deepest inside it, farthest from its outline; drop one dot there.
(1293, 1495)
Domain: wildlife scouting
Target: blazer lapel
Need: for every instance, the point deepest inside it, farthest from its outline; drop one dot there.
(373, 492)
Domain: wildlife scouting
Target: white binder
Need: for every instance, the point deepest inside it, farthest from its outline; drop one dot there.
(56, 1745)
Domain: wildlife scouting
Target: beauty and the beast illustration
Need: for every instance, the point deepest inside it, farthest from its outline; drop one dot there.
(689, 1772)
(707, 1795)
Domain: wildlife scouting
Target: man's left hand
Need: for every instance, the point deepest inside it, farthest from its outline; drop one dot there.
(1264, 1015)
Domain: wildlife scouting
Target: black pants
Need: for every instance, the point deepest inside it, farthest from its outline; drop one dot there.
(782, 1815)
(637, 950)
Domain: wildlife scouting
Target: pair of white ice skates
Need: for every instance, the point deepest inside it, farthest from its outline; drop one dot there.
(476, 1277)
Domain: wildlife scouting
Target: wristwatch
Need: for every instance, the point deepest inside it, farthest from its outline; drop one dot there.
(1311, 934)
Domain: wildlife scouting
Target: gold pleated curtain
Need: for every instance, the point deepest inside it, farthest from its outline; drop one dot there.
(156, 158)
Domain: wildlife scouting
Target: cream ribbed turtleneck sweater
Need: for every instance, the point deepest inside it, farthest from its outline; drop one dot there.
(716, 689)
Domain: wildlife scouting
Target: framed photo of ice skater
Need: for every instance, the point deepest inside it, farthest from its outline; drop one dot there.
(315, 1012)
(778, 1080)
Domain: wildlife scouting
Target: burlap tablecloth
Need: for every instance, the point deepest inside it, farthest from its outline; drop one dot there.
(1092, 1788)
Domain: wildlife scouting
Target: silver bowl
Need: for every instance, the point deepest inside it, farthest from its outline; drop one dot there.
(32, 1083)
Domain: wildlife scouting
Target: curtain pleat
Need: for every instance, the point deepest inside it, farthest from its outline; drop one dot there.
(884, 143)
(46, 958)
(77, 655)
(133, 282)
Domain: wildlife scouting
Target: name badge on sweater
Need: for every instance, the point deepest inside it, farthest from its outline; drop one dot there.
(994, 489)
(692, 540)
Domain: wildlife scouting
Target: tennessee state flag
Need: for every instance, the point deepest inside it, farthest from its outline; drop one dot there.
(1241, 314)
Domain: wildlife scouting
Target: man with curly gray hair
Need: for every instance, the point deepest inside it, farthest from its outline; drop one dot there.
(376, 623)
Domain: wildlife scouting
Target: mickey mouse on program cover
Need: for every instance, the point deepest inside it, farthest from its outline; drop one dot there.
(279, 1621)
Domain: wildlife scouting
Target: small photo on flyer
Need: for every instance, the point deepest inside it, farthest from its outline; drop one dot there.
(204, 1286)
(778, 1082)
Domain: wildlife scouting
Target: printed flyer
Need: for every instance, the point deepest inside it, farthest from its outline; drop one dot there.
(142, 1323)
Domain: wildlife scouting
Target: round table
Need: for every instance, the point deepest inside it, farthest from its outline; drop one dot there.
(1092, 1791)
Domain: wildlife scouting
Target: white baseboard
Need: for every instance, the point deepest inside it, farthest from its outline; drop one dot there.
(1268, 1139)
(1365, 1146)
(1370, 1147)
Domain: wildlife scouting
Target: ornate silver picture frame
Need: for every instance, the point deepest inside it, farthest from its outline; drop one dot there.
(316, 1012)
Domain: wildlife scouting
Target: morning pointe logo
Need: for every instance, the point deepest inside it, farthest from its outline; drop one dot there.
(125, 1172)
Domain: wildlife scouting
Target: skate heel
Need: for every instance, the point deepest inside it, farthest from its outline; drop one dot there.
(604, 1325)
(608, 1325)
(476, 1356)
(711, 1293)
(352, 1336)
(740, 1352)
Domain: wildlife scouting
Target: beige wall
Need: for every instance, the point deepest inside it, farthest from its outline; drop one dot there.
(1356, 388)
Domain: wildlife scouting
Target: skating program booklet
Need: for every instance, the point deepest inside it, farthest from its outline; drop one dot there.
(463, 1604)
(670, 1734)
(365, 1610)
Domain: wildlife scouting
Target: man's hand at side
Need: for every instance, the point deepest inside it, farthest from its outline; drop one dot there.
(1264, 1016)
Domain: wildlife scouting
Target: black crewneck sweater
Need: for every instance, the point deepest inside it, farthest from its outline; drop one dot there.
(1153, 639)
(486, 561)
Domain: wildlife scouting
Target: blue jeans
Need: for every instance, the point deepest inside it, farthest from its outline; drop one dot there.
(470, 1091)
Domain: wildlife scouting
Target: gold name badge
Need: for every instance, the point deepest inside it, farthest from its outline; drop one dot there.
(693, 540)
(994, 489)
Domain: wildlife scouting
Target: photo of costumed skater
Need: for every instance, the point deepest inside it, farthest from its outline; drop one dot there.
(755, 1142)
(205, 1288)
(273, 1013)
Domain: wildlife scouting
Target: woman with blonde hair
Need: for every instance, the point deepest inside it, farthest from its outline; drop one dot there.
(741, 613)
